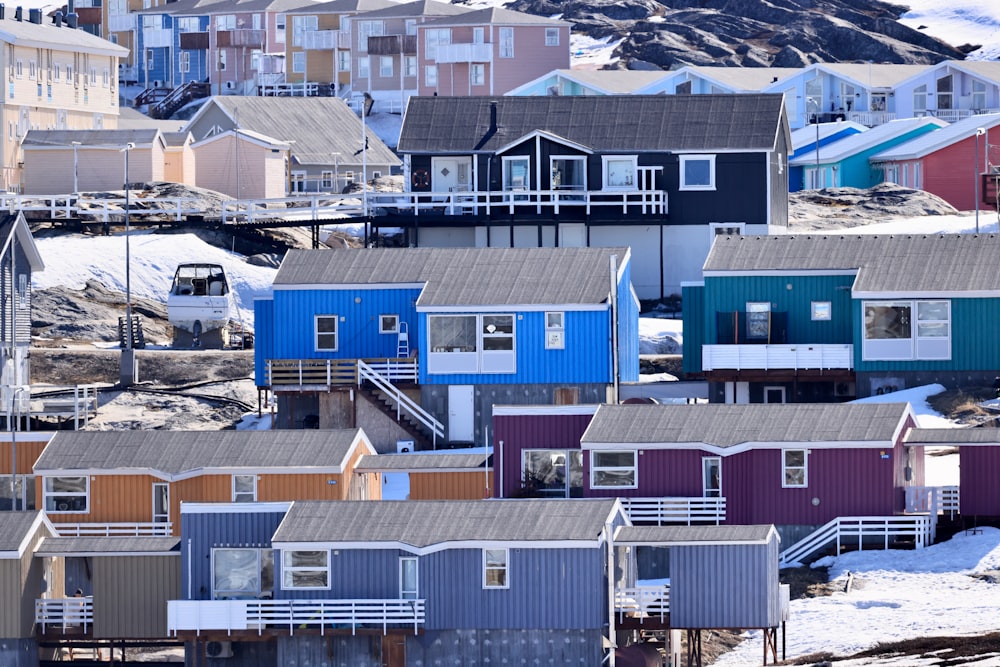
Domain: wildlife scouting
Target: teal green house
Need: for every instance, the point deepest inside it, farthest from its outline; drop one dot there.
(845, 163)
(822, 318)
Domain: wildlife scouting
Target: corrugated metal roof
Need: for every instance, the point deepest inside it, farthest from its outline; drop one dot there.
(640, 123)
(425, 462)
(706, 534)
(118, 138)
(953, 436)
(422, 523)
(910, 264)
(61, 38)
(805, 136)
(938, 139)
(873, 138)
(494, 16)
(463, 276)
(343, 7)
(67, 546)
(14, 528)
(318, 125)
(418, 8)
(727, 425)
(174, 452)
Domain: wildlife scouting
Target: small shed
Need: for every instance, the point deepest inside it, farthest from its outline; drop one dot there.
(978, 465)
(242, 164)
(440, 476)
(178, 158)
(65, 161)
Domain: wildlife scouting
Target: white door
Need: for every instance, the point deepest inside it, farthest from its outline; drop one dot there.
(450, 174)
(461, 413)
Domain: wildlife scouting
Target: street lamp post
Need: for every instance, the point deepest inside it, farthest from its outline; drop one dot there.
(980, 131)
(128, 370)
(15, 413)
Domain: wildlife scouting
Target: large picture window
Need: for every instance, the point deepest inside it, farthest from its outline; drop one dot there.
(613, 470)
(907, 330)
(620, 172)
(553, 472)
(304, 570)
(67, 494)
(239, 574)
(471, 344)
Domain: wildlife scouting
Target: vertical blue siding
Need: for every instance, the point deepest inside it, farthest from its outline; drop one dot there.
(263, 314)
(354, 574)
(628, 328)
(693, 303)
(200, 533)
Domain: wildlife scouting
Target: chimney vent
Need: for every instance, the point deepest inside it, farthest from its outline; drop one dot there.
(57, 19)
(18, 13)
(71, 20)
(35, 16)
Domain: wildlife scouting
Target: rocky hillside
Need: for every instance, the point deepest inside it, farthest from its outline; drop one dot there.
(748, 33)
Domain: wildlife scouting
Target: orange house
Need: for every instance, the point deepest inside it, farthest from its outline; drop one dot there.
(437, 476)
(26, 446)
(133, 482)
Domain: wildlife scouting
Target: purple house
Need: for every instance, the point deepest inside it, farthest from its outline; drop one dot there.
(978, 465)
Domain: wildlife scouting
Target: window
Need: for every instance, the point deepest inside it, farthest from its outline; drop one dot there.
(433, 38)
(555, 331)
(326, 179)
(978, 95)
(613, 469)
(552, 472)
(388, 324)
(498, 333)
(19, 69)
(408, 572)
(161, 502)
(298, 62)
(409, 65)
(69, 74)
(821, 310)
(225, 22)
(67, 494)
(683, 88)
(506, 42)
(620, 172)
(945, 98)
(242, 574)
(56, 72)
(918, 180)
(495, 563)
(343, 61)
(301, 25)
(244, 488)
(711, 477)
(385, 66)
(32, 69)
(368, 29)
(892, 333)
(411, 26)
(305, 570)
(697, 172)
(793, 468)
(552, 37)
(188, 24)
(22, 290)
(105, 77)
(431, 75)
(758, 320)
(363, 67)
(726, 229)
(569, 173)
(478, 35)
(279, 26)
(471, 344)
(516, 173)
(477, 74)
(222, 60)
(326, 332)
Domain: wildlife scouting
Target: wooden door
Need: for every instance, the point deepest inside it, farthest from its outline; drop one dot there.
(394, 651)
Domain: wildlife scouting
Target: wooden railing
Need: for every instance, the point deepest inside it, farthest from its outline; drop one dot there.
(326, 372)
(642, 601)
(855, 530)
(666, 511)
(290, 615)
(64, 613)
(378, 375)
(119, 529)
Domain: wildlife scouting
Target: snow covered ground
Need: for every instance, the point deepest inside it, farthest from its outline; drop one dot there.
(958, 22)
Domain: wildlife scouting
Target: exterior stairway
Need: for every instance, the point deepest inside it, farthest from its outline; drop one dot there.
(387, 405)
(178, 97)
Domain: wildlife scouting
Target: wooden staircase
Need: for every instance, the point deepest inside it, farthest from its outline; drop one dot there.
(387, 405)
(178, 97)
(150, 96)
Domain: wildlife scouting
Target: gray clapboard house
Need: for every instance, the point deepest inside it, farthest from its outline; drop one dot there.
(327, 138)
(21, 581)
(19, 259)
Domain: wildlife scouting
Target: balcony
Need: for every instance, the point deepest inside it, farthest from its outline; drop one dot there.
(642, 603)
(302, 373)
(68, 616)
(122, 22)
(320, 40)
(156, 37)
(500, 202)
(194, 40)
(89, 15)
(122, 529)
(464, 53)
(777, 357)
(675, 511)
(241, 37)
(390, 45)
(194, 617)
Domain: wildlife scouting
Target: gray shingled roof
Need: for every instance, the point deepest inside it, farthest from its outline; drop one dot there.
(729, 425)
(883, 263)
(47, 35)
(423, 523)
(639, 123)
(953, 436)
(686, 534)
(319, 126)
(14, 528)
(103, 138)
(494, 16)
(343, 7)
(67, 546)
(414, 9)
(424, 462)
(463, 276)
(177, 452)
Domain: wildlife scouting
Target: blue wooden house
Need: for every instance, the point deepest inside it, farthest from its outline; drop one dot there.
(830, 317)
(441, 334)
(173, 40)
(845, 163)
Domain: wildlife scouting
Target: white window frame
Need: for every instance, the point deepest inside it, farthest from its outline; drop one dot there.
(929, 338)
(317, 333)
(48, 494)
(188, 24)
(443, 361)
(789, 471)
(238, 496)
(411, 26)
(506, 42)
(19, 69)
(280, 23)
(433, 38)
(477, 74)
(385, 67)
(386, 318)
(225, 22)
(431, 76)
(706, 490)
(288, 571)
(611, 164)
(298, 62)
(22, 290)
(257, 592)
(821, 311)
(596, 468)
(326, 179)
(490, 565)
(364, 67)
(405, 592)
(164, 516)
(552, 37)
(343, 61)
(555, 330)
(32, 69)
(368, 29)
(478, 35)
(409, 66)
(302, 24)
(509, 185)
(684, 185)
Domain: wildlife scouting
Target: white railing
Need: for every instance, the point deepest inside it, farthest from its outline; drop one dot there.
(156, 37)
(871, 118)
(642, 601)
(378, 375)
(80, 405)
(284, 89)
(769, 357)
(326, 372)
(687, 511)
(851, 531)
(120, 529)
(464, 53)
(127, 73)
(320, 39)
(71, 207)
(65, 613)
(477, 201)
(933, 500)
(290, 615)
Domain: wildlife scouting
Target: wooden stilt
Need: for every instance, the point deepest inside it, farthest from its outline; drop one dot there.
(694, 648)
(771, 642)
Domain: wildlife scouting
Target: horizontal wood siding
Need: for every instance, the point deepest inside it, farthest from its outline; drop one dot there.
(695, 324)
(978, 472)
(263, 313)
(358, 335)
(131, 593)
(514, 433)
(724, 586)
(200, 533)
(728, 295)
(585, 358)
(451, 485)
(28, 451)
(549, 588)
